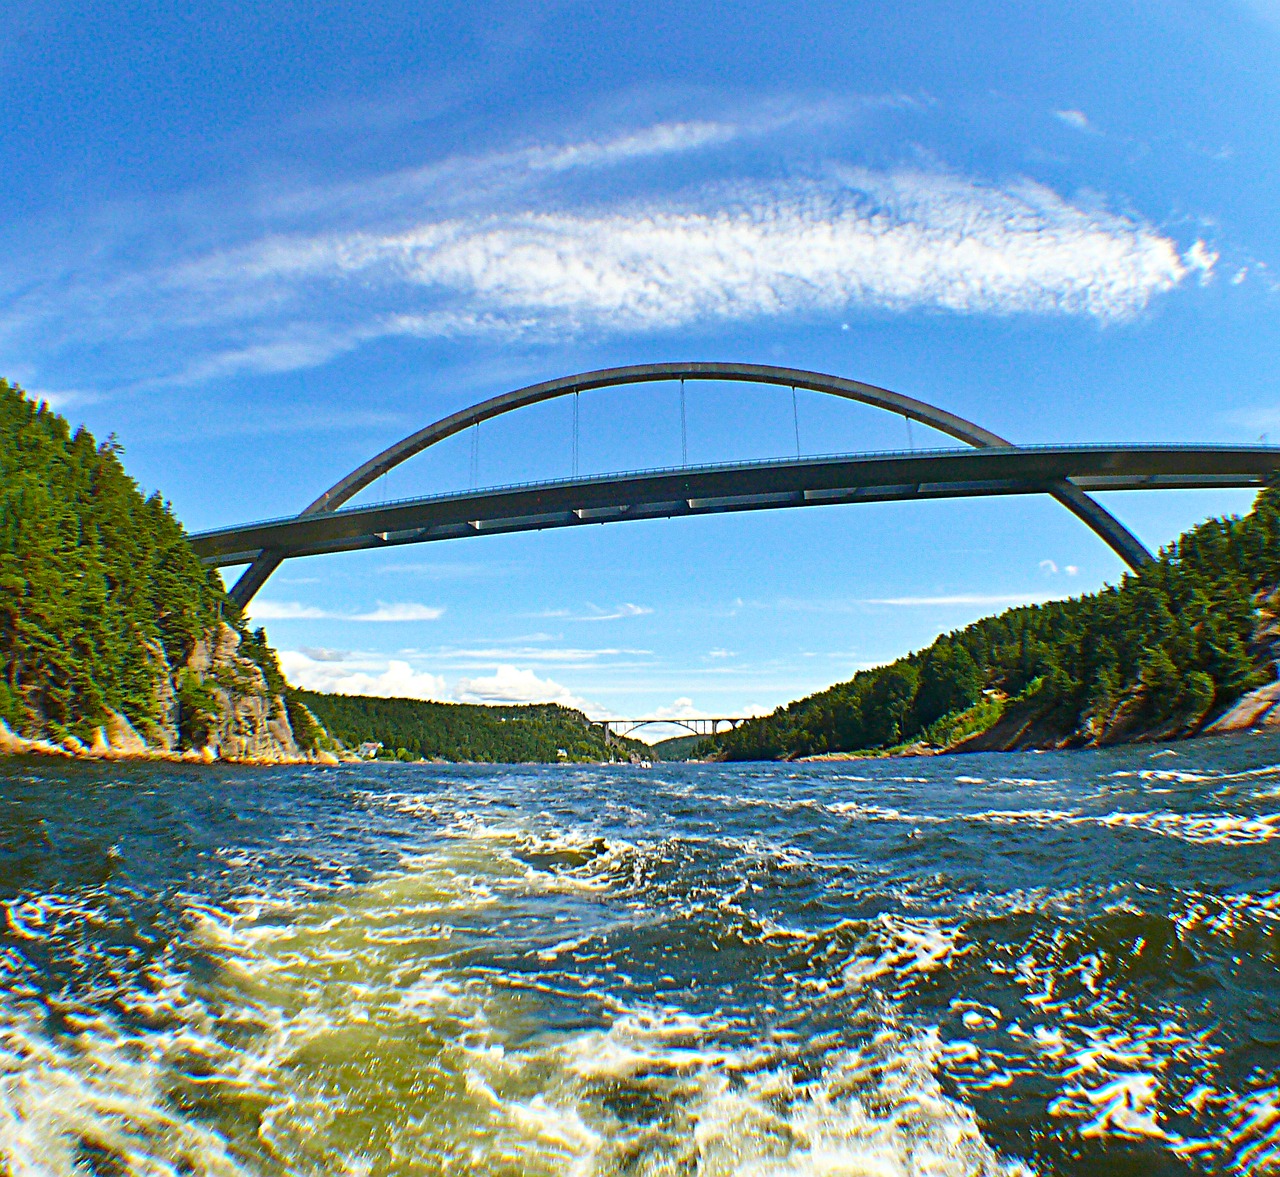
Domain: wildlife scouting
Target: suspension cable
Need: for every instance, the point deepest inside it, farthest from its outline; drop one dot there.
(795, 418)
(684, 429)
(575, 433)
(475, 454)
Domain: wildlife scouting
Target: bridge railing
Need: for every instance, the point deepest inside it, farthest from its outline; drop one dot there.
(808, 459)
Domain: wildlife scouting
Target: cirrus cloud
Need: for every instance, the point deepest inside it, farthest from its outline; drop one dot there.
(493, 248)
(880, 241)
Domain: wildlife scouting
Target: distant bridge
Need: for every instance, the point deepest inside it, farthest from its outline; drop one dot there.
(993, 467)
(697, 727)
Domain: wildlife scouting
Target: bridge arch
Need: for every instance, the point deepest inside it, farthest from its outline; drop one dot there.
(1126, 545)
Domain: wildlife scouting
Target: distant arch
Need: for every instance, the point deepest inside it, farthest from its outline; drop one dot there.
(707, 726)
(1123, 542)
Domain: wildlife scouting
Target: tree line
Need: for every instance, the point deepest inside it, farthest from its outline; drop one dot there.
(411, 729)
(100, 593)
(1164, 651)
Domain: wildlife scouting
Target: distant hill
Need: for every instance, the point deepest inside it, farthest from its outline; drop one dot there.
(677, 747)
(1160, 656)
(414, 729)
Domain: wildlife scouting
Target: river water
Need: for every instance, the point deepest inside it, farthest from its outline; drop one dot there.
(1058, 963)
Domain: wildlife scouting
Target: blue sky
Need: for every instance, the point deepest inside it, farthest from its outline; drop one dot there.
(260, 242)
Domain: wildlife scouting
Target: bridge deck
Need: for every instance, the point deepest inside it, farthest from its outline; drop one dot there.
(745, 486)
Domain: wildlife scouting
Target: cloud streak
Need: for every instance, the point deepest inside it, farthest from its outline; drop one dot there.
(595, 613)
(498, 248)
(884, 242)
(962, 599)
(264, 609)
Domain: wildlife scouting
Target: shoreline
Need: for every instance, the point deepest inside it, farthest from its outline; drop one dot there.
(12, 744)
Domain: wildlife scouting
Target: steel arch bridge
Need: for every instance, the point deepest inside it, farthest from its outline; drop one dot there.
(993, 466)
(698, 727)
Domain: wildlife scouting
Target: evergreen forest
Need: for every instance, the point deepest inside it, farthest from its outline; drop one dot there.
(100, 593)
(1160, 654)
(410, 729)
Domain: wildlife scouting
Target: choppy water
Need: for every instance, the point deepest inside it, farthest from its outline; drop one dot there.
(1061, 963)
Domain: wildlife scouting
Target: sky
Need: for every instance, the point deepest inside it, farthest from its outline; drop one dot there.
(261, 242)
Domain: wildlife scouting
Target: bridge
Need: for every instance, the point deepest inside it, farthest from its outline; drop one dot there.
(992, 466)
(697, 727)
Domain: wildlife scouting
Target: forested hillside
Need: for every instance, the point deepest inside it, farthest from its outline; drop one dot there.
(1159, 655)
(101, 597)
(460, 731)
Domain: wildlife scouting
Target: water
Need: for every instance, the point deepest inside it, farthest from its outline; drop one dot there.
(1060, 963)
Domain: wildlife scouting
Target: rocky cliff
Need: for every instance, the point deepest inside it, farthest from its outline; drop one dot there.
(216, 705)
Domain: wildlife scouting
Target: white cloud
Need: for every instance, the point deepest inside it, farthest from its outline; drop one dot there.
(1074, 118)
(508, 684)
(895, 241)
(682, 708)
(1048, 567)
(568, 655)
(885, 241)
(502, 246)
(265, 609)
(406, 611)
(963, 599)
(595, 613)
(394, 680)
(1201, 257)
(60, 399)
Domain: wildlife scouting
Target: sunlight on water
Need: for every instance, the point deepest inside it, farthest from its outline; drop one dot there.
(995, 965)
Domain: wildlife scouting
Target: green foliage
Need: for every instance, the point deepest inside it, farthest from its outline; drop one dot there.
(254, 647)
(308, 733)
(1168, 646)
(949, 681)
(98, 584)
(410, 729)
(956, 726)
(198, 710)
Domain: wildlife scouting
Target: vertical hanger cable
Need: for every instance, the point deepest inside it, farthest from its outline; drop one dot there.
(575, 433)
(795, 418)
(684, 429)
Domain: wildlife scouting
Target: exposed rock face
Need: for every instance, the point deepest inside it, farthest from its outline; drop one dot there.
(121, 736)
(218, 699)
(162, 732)
(1256, 709)
(247, 722)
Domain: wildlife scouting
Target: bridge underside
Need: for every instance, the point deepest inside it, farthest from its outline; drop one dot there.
(659, 494)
